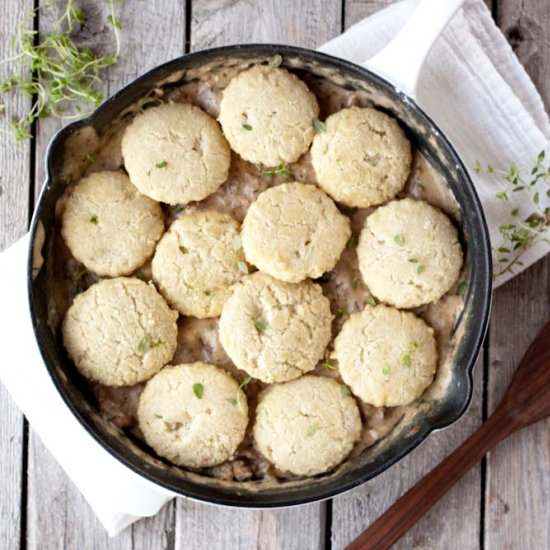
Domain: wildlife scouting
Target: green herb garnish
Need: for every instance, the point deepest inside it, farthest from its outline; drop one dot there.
(232, 401)
(420, 268)
(260, 325)
(345, 390)
(280, 170)
(371, 301)
(90, 158)
(207, 292)
(147, 343)
(461, 288)
(64, 76)
(247, 127)
(399, 239)
(407, 357)
(341, 311)
(386, 371)
(161, 164)
(328, 365)
(318, 126)
(522, 232)
(312, 430)
(414, 260)
(352, 242)
(245, 382)
(93, 219)
(198, 390)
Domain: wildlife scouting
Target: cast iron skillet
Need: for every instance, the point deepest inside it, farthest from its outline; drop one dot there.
(426, 137)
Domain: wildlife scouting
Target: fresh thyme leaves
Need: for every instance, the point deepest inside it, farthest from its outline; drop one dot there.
(318, 126)
(345, 390)
(260, 325)
(399, 239)
(527, 228)
(114, 22)
(93, 219)
(245, 382)
(386, 371)
(232, 401)
(198, 390)
(147, 343)
(407, 357)
(341, 311)
(414, 260)
(243, 267)
(90, 158)
(461, 288)
(207, 292)
(312, 430)
(178, 209)
(353, 241)
(161, 164)
(247, 127)
(420, 268)
(328, 365)
(280, 170)
(371, 301)
(64, 76)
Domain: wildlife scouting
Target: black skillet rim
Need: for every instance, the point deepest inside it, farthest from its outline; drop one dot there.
(481, 278)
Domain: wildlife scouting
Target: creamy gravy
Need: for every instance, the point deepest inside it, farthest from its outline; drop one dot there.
(86, 152)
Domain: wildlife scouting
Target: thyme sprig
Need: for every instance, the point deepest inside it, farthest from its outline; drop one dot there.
(525, 227)
(64, 77)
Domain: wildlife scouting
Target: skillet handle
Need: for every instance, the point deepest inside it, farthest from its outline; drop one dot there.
(401, 60)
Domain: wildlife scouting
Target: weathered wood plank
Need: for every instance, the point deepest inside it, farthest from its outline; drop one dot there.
(215, 23)
(58, 516)
(518, 471)
(14, 210)
(455, 521)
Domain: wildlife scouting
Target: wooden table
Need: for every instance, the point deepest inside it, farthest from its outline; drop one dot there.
(503, 504)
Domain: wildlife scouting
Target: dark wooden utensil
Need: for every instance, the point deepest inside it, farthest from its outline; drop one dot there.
(526, 401)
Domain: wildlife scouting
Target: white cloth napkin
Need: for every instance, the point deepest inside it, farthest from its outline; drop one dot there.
(476, 90)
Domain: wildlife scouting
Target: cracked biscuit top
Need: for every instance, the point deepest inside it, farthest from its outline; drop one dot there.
(386, 356)
(409, 253)
(275, 331)
(194, 414)
(306, 426)
(294, 231)
(363, 158)
(267, 115)
(108, 225)
(197, 261)
(120, 332)
(175, 153)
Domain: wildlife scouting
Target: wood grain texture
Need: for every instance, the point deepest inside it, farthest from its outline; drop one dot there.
(518, 472)
(455, 521)
(58, 516)
(215, 23)
(14, 210)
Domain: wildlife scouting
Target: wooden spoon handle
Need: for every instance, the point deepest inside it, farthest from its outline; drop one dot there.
(408, 509)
